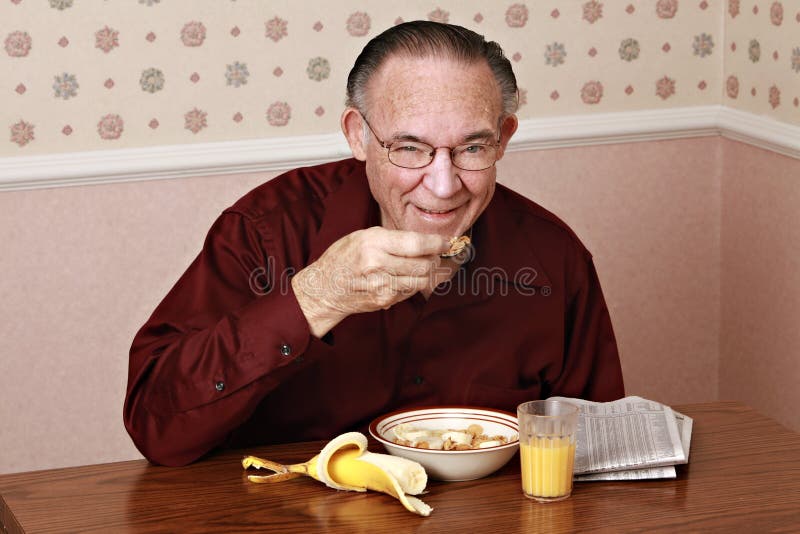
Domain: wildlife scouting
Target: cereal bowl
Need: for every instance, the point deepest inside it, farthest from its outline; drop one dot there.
(451, 422)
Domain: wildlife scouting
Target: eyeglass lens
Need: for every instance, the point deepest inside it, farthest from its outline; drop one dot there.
(469, 157)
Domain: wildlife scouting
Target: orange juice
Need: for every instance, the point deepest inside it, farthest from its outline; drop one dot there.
(547, 466)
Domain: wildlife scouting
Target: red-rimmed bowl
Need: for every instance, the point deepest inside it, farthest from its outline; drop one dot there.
(451, 465)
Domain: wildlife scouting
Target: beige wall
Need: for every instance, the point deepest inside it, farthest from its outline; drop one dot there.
(567, 57)
(760, 342)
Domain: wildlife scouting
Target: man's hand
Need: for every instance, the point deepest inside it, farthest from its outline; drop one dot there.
(366, 271)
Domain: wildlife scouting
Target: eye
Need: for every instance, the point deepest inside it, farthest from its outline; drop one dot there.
(473, 149)
(410, 148)
(405, 148)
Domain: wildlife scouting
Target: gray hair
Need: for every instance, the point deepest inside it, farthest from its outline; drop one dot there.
(422, 38)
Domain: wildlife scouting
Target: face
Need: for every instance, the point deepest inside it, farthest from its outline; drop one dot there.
(444, 104)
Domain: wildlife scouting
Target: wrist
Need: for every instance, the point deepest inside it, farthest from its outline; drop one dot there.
(320, 318)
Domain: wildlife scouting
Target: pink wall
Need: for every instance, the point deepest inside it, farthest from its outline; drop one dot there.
(760, 347)
(649, 212)
(83, 267)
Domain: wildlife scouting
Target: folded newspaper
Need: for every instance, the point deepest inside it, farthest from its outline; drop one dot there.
(629, 439)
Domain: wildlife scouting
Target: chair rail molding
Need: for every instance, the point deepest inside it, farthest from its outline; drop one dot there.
(276, 154)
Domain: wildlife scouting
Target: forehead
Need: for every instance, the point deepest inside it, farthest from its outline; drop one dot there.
(406, 90)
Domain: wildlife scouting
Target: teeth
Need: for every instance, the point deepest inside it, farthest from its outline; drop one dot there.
(434, 211)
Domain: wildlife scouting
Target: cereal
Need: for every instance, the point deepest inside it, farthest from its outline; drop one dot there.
(473, 437)
(457, 246)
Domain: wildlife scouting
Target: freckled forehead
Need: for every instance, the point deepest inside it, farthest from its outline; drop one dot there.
(413, 88)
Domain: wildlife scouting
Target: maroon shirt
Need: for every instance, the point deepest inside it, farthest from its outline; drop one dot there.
(227, 358)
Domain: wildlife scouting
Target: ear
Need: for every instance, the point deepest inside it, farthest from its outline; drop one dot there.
(507, 129)
(353, 129)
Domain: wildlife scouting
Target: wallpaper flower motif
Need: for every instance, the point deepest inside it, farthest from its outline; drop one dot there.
(516, 15)
(279, 113)
(554, 54)
(358, 24)
(592, 92)
(629, 49)
(754, 50)
(774, 97)
(439, 15)
(665, 87)
(18, 44)
(65, 86)
(61, 4)
(276, 29)
(776, 14)
(733, 8)
(236, 73)
(666, 9)
(703, 45)
(318, 69)
(22, 133)
(195, 120)
(106, 39)
(732, 87)
(592, 11)
(110, 126)
(193, 33)
(152, 80)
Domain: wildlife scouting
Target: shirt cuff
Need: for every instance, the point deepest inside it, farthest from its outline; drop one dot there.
(274, 329)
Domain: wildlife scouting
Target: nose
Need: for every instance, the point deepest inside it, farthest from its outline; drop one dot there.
(441, 176)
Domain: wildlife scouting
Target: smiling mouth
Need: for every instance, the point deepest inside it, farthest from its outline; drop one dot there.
(434, 212)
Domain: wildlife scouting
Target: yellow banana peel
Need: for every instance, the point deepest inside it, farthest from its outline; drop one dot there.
(346, 464)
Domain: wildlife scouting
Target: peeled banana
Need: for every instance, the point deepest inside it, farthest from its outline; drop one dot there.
(346, 464)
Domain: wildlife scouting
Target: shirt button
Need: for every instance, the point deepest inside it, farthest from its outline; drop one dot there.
(418, 380)
(220, 386)
(286, 350)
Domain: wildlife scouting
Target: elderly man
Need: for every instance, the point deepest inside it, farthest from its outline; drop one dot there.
(326, 296)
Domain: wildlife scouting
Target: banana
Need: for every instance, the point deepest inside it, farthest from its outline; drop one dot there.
(346, 464)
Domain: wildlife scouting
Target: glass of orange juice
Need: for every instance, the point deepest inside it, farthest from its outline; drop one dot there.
(547, 430)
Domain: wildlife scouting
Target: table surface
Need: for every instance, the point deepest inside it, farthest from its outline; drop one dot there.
(743, 476)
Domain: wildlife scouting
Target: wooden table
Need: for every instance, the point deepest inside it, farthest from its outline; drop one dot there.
(743, 476)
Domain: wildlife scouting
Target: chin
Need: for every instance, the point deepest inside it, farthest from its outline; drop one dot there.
(442, 230)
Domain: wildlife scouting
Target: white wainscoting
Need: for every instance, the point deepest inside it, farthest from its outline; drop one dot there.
(275, 154)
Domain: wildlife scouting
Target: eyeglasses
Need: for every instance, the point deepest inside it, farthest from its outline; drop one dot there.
(415, 155)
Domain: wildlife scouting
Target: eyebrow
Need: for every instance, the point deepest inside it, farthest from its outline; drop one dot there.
(473, 136)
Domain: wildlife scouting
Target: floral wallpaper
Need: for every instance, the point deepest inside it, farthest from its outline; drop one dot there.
(100, 74)
(762, 57)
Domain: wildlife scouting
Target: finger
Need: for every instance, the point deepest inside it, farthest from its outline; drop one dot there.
(403, 266)
(413, 244)
(386, 287)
